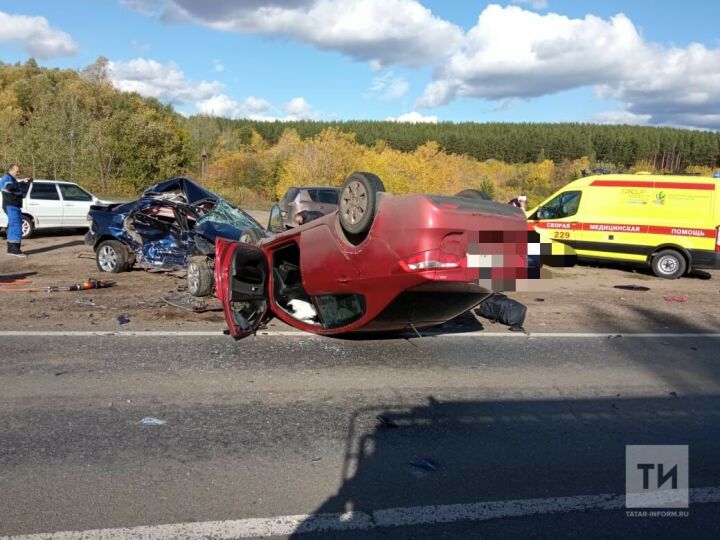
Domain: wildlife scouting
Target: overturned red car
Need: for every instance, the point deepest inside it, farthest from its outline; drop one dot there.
(380, 263)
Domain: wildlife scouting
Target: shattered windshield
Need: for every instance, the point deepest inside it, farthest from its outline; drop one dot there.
(225, 213)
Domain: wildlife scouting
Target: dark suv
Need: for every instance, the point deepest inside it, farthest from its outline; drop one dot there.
(323, 199)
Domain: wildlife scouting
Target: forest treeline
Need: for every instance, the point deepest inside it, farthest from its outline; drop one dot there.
(75, 125)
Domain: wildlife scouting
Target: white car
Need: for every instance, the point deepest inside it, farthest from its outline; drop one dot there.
(54, 204)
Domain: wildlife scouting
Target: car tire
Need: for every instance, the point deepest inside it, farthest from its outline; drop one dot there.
(200, 280)
(28, 226)
(474, 194)
(668, 264)
(112, 257)
(358, 202)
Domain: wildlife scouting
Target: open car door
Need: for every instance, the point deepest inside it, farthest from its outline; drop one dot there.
(241, 282)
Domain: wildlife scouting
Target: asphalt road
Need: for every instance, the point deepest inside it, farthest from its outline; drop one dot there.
(279, 426)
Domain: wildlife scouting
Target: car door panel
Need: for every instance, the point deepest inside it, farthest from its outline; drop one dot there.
(76, 205)
(241, 282)
(44, 204)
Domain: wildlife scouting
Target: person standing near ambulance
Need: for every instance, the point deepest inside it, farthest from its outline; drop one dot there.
(12, 199)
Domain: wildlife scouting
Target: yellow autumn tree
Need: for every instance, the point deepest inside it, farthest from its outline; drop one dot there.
(325, 159)
(259, 172)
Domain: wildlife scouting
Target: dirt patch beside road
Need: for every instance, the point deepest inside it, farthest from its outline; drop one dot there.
(580, 299)
(64, 260)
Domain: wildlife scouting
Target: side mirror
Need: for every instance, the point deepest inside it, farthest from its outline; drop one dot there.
(276, 224)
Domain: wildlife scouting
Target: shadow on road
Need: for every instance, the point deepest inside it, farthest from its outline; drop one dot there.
(641, 271)
(17, 276)
(676, 361)
(507, 450)
(54, 247)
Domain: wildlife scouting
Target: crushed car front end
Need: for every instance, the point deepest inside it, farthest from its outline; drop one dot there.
(172, 223)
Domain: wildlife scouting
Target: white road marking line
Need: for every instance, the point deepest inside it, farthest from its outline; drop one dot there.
(354, 521)
(293, 333)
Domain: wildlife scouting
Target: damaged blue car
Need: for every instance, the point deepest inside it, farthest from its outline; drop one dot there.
(172, 226)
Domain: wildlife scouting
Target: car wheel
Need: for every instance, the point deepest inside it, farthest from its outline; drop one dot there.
(474, 194)
(358, 202)
(112, 257)
(28, 226)
(668, 264)
(200, 279)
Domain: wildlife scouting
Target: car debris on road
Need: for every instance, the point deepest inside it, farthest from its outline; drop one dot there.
(507, 311)
(152, 421)
(89, 284)
(632, 287)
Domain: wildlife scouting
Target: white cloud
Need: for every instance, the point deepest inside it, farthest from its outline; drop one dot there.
(414, 118)
(254, 108)
(224, 106)
(512, 52)
(620, 117)
(165, 82)
(381, 32)
(299, 109)
(218, 66)
(506, 104)
(677, 86)
(515, 53)
(535, 4)
(388, 87)
(168, 83)
(146, 7)
(256, 105)
(219, 105)
(35, 36)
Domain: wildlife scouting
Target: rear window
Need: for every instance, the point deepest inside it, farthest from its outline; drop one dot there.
(328, 196)
(313, 193)
(289, 195)
(44, 192)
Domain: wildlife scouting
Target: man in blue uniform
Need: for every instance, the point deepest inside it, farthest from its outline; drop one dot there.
(12, 198)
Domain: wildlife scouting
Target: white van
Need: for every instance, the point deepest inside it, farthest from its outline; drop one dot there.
(53, 204)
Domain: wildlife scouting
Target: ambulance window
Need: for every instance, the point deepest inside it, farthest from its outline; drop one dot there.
(564, 205)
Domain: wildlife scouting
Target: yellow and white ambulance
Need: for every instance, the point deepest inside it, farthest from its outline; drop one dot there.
(669, 222)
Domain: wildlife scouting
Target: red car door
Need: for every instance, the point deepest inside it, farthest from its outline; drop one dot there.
(241, 282)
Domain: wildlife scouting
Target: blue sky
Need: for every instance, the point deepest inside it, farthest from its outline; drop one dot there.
(640, 62)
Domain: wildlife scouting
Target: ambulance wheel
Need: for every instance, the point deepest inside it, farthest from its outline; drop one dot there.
(28, 226)
(668, 264)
